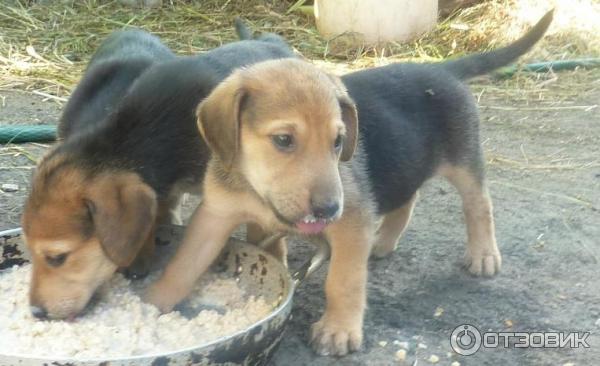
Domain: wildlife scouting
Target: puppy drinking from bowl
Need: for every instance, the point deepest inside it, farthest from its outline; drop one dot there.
(282, 134)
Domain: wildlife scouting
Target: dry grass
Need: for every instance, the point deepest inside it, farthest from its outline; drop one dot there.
(575, 33)
(43, 48)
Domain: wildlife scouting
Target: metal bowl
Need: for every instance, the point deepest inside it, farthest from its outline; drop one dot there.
(257, 272)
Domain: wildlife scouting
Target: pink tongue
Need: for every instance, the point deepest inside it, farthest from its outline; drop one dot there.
(312, 228)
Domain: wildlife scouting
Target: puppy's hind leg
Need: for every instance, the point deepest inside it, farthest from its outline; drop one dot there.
(255, 234)
(279, 250)
(392, 227)
(482, 256)
(171, 213)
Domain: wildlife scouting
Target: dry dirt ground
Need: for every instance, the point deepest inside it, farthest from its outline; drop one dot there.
(544, 174)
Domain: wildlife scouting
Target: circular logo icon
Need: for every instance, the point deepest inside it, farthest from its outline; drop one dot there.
(465, 340)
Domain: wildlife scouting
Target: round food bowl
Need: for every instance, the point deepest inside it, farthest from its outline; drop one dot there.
(256, 271)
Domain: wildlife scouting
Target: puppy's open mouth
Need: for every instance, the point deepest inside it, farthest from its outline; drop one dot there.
(309, 224)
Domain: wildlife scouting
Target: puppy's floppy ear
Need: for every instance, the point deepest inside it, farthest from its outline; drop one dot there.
(123, 211)
(350, 118)
(219, 118)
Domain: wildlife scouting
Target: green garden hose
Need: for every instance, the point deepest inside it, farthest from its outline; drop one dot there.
(549, 65)
(14, 134)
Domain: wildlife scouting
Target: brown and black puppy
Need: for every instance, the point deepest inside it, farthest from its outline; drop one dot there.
(282, 134)
(57, 219)
(127, 154)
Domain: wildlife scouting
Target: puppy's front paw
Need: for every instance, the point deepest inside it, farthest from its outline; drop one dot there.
(160, 296)
(483, 263)
(332, 338)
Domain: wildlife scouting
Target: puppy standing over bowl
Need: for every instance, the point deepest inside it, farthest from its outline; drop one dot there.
(123, 163)
(278, 132)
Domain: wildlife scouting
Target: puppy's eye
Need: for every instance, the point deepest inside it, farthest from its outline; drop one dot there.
(283, 142)
(56, 260)
(339, 140)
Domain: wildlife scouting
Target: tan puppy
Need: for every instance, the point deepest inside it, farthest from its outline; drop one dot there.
(278, 131)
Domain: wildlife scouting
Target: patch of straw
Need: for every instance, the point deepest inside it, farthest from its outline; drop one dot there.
(44, 45)
(561, 196)
(555, 165)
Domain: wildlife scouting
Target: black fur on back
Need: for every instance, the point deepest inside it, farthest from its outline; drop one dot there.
(119, 60)
(416, 117)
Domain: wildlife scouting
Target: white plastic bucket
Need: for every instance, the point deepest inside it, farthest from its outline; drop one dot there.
(376, 20)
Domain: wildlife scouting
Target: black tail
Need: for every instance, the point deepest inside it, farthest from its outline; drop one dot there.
(242, 30)
(485, 62)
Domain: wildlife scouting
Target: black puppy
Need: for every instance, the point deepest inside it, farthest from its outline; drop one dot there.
(419, 120)
(128, 152)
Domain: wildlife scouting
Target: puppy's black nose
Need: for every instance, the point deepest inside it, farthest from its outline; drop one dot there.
(38, 312)
(326, 211)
